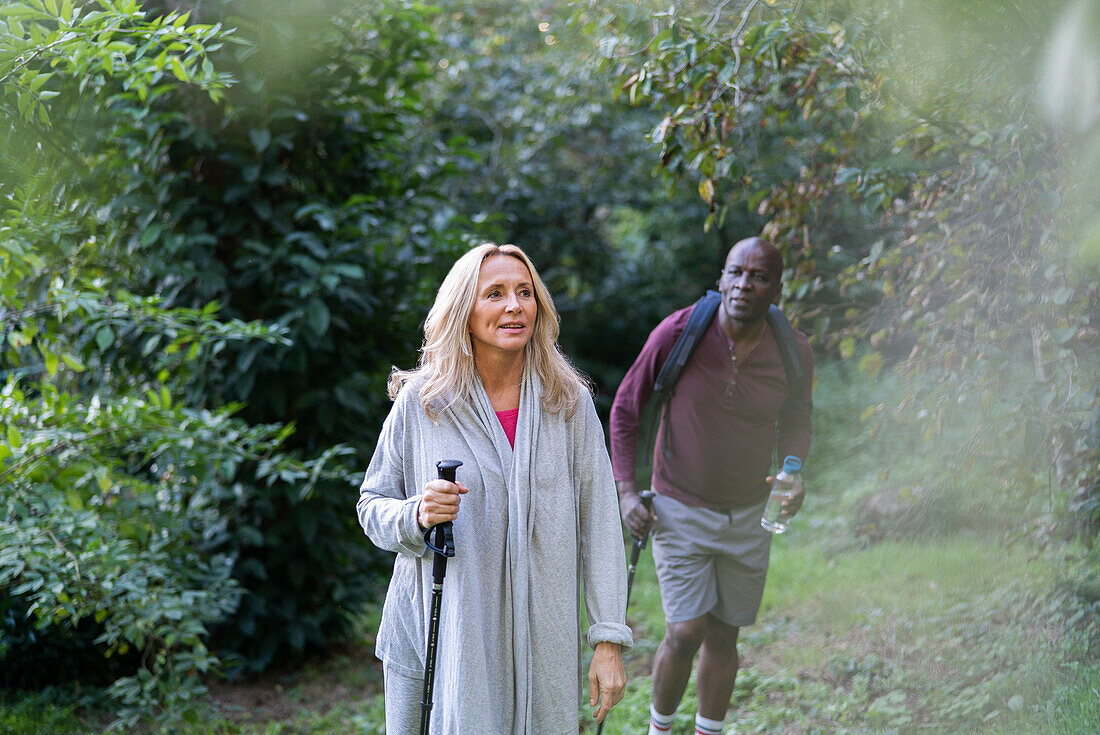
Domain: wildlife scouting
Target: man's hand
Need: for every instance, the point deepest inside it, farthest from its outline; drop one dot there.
(439, 503)
(606, 678)
(792, 505)
(635, 516)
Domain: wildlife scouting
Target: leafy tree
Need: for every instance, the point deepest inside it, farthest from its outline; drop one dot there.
(563, 169)
(307, 198)
(931, 215)
(112, 491)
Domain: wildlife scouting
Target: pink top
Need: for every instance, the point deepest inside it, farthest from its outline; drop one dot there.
(508, 420)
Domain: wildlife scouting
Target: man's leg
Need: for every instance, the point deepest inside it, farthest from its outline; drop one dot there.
(672, 664)
(718, 666)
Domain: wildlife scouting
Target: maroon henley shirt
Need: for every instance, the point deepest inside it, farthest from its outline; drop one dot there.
(726, 417)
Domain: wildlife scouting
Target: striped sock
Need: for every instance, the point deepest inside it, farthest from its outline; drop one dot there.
(659, 724)
(703, 726)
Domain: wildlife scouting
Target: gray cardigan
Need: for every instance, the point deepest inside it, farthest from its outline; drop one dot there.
(538, 530)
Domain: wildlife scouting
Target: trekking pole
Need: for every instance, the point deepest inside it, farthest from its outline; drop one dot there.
(444, 547)
(635, 553)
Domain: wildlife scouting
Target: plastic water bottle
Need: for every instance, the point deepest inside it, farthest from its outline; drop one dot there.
(782, 489)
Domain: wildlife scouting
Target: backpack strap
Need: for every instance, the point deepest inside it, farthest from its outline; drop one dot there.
(692, 334)
(701, 315)
(788, 350)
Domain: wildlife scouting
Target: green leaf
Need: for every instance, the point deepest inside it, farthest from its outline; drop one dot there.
(852, 98)
(260, 138)
(19, 10)
(177, 68)
(15, 439)
(317, 317)
(73, 362)
(846, 175)
(726, 74)
(151, 234)
(105, 337)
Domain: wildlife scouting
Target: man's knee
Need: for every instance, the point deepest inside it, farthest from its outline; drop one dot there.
(721, 634)
(684, 639)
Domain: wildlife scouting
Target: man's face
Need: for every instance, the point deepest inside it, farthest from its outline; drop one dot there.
(750, 282)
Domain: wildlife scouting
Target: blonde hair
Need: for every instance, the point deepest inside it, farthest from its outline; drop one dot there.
(447, 372)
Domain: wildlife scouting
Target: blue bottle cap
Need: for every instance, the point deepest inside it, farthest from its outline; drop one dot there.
(791, 464)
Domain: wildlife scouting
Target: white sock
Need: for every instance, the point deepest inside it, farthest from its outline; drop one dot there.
(703, 726)
(659, 724)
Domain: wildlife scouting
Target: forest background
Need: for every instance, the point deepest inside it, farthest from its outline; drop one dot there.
(222, 222)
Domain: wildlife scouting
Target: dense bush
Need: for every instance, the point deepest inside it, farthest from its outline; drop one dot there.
(306, 199)
(141, 503)
(932, 208)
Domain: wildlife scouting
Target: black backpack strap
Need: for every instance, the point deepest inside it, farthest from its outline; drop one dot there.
(788, 350)
(701, 315)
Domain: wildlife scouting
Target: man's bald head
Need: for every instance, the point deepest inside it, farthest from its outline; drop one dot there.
(771, 255)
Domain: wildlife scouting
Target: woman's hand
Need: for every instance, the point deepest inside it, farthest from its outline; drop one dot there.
(606, 678)
(439, 503)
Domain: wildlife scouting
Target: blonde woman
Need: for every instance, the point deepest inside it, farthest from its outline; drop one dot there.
(534, 511)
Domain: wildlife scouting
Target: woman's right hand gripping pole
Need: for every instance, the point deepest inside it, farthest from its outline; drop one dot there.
(439, 503)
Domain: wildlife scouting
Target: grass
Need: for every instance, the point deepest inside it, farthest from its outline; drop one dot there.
(955, 619)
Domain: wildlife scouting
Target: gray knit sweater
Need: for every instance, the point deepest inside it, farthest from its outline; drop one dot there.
(538, 530)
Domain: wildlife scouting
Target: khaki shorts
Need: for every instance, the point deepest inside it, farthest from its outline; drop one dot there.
(710, 561)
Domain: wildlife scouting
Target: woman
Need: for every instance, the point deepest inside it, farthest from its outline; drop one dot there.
(534, 511)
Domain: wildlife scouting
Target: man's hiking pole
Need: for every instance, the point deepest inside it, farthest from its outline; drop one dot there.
(635, 553)
(444, 547)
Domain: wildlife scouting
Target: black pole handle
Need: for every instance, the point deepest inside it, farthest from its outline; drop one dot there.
(647, 503)
(444, 544)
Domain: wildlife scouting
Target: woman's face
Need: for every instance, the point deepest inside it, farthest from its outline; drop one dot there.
(504, 312)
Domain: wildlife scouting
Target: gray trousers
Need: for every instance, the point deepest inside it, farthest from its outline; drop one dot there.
(403, 695)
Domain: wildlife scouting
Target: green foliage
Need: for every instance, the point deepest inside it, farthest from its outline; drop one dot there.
(306, 198)
(111, 513)
(113, 491)
(563, 170)
(933, 214)
(40, 713)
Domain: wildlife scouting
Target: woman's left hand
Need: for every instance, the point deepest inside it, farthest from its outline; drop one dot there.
(606, 678)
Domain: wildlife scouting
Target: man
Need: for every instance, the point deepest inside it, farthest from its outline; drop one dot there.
(728, 412)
